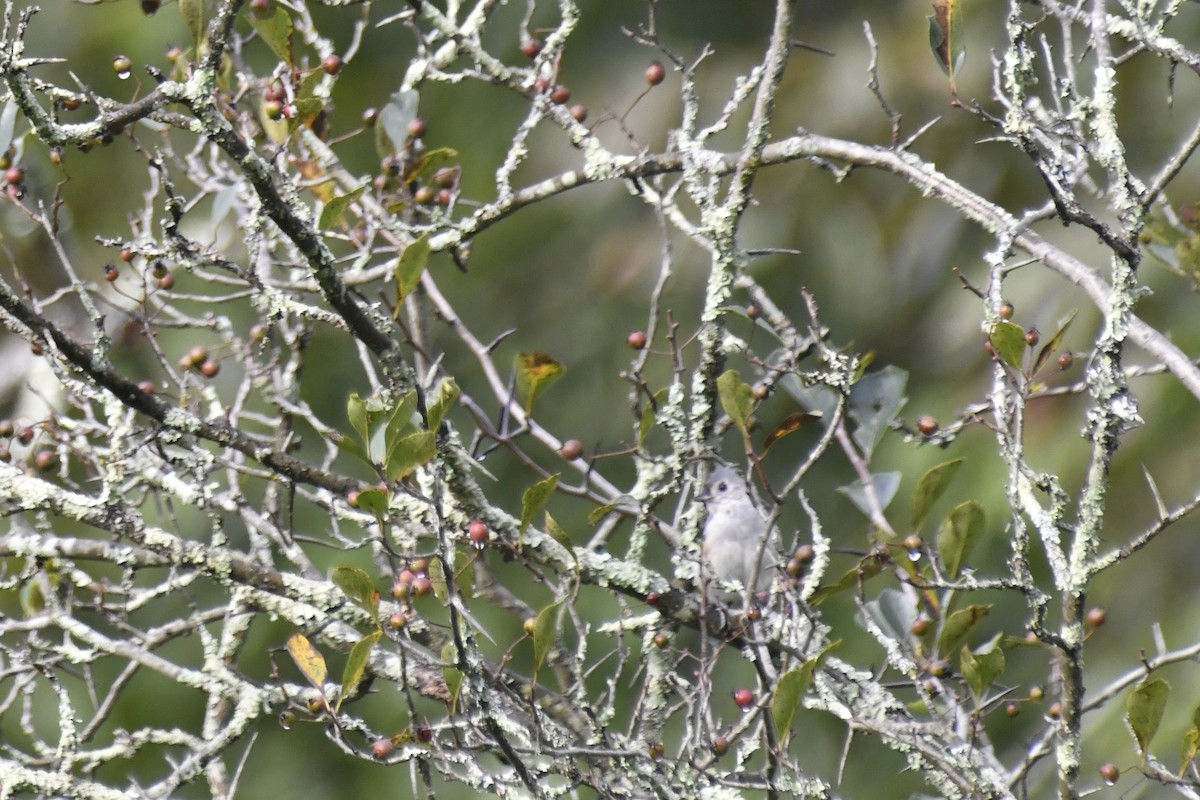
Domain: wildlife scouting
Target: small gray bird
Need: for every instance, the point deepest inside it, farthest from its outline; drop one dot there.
(734, 531)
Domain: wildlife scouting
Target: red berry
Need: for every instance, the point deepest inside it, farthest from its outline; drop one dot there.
(720, 746)
(531, 47)
(655, 73)
(560, 94)
(1032, 337)
(382, 748)
(444, 196)
(744, 699)
(260, 6)
(478, 531)
(425, 195)
(636, 339)
(126, 255)
(44, 460)
(1012, 709)
(1096, 617)
(571, 449)
(416, 128)
(209, 368)
(1110, 773)
(927, 425)
(579, 112)
(332, 64)
(110, 272)
(446, 177)
(422, 586)
(804, 553)
(1065, 361)
(1006, 310)
(166, 281)
(6, 427)
(14, 175)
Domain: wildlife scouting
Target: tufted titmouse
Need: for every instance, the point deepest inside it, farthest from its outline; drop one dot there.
(733, 533)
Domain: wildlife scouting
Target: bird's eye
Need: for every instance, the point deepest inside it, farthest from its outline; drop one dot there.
(721, 486)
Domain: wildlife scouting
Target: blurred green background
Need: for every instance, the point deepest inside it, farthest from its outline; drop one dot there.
(572, 277)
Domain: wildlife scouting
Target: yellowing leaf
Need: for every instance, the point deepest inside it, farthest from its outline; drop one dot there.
(535, 371)
(308, 658)
(945, 37)
(791, 423)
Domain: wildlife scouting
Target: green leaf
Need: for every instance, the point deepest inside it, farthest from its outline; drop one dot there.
(399, 423)
(981, 667)
(195, 17)
(410, 452)
(785, 700)
(451, 674)
(332, 213)
(930, 488)
(600, 512)
(874, 403)
(437, 577)
(309, 659)
(429, 161)
(867, 568)
(358, 586)
(535, 499)
(1055, 341)
(374, 501)
(411, 265)
(560, 536)
(789, 691)
(356, 411)
(544, 629)
(1191, 742)
(945, 36)
(737, 399)
(275, 28)
(958, 534)
(958, 625)
(1144, 710)
(1008, 340)
(356, 664)
(535, 371)
(443, 400)
(885, 486)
